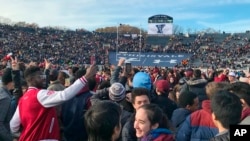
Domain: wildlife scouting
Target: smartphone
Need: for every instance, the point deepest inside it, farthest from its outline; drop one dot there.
(128, 68)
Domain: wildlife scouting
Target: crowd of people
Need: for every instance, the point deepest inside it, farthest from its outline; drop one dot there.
(67, 47)
(154, 104)
(51, 102)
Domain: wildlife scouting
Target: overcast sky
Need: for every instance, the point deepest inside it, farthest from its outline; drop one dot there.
(223, 15)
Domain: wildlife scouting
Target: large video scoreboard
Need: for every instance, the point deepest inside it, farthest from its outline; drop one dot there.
(160, 25)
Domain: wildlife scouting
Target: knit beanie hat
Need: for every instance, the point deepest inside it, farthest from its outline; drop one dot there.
(162, 86)
(142, 79)
(117, 92)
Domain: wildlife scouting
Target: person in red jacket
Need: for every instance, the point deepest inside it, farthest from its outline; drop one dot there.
(222, 76)
(151, 124)
(35, 117)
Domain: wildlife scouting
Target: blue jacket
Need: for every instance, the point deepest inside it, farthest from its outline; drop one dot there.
(73, 117)
(179, 116)
(159, 134)
(198, 126)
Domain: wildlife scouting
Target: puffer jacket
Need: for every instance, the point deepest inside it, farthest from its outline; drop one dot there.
(198, 126)
(197, 86)
(179, 116)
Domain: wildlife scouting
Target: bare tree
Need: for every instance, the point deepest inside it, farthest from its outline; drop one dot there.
(4, 20)
(189, 30)
(22, 24)
(177, 29)
(122, 29)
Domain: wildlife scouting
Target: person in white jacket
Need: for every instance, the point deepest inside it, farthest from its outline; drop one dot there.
(35, 117)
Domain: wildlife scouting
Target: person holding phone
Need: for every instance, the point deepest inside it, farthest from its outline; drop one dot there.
(128, 68)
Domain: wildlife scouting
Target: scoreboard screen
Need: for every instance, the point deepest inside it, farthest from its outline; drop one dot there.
(160, 25)
(160, 28)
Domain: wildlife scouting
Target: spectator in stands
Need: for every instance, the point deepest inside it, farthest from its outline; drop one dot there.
(40, 121)
(226, 110)
(199, 124)
(151, 124)
(188, 102)
(28, 46)
(102, 121)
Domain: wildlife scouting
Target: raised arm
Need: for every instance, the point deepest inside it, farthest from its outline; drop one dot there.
(50, 98)
(115, 75)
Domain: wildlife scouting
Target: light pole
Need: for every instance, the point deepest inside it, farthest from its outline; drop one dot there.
(140, 45)
(117, 39)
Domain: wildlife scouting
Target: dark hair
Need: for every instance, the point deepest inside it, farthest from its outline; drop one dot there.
(91, 83)
(155, 115)
(186, 98)
(135, 70)
(104, 84)
(101, 120)
(197, 73)
(75, 69)
(219, 72)
(7, 76)
(31, 72)
(242, 90)
(24, 83)
(227, 108)
(139, 92)
(80, 72)
(53, 75)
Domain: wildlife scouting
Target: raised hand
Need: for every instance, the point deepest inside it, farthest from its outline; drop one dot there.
(121, 61)
(91, 71)
(47, 64)
(14, 63)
